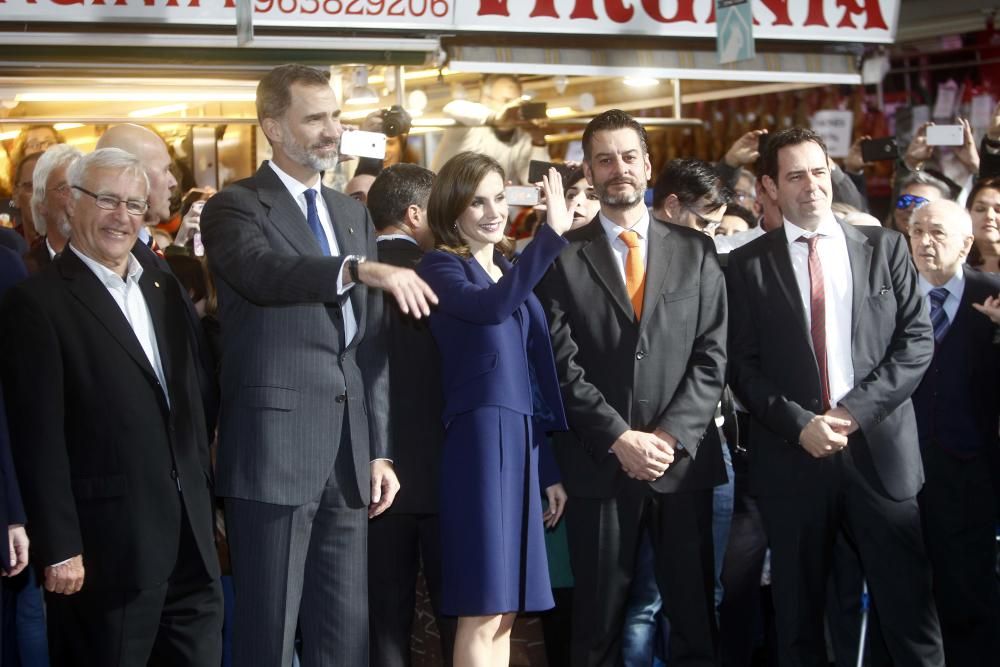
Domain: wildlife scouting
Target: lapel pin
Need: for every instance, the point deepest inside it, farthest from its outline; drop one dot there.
(350, 229)
(156, 284)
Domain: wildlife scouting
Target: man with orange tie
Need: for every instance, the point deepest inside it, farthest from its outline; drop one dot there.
(637, 311)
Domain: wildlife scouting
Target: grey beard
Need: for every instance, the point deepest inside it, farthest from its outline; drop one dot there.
(306, 158)
(622, 201)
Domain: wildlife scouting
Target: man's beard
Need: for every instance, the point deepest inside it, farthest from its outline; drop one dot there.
(624, 200)
(308, 157)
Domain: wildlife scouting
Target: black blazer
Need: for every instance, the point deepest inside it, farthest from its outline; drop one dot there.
(11, 509)
(667, 371)
(288, 380)
(773, 370)
(98, 450)
(416, 431)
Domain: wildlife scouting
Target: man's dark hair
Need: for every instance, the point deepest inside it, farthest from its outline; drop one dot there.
(740, 212)
(767, 163)
(691, 181)
(613, 119)
(274, 94)
(395, 190)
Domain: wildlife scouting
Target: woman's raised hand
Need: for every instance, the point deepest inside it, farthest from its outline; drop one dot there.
(557, 215)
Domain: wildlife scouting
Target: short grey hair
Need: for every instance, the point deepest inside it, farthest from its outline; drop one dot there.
(956, 216)
(112, 159)
(57, 156)
(923, 178)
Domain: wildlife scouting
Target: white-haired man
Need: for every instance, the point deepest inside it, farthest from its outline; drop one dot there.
(50, 204)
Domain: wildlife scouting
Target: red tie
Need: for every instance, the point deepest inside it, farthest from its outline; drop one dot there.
(817, 315)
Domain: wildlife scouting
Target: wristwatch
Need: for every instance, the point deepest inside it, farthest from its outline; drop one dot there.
(352, 266)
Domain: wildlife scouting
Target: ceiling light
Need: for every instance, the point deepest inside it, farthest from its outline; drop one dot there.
(4, 136)
(559, 112)
(59, 127)
(640, 81)
(360, 92)
(133, 95)
(158, 111)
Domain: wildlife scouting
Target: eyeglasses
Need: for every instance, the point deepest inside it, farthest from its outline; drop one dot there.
(110, 202)
(34, 146)
(704, 224)
(906, 201)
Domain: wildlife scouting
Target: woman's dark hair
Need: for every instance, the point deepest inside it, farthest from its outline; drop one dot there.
(975, 257)
(453, 191)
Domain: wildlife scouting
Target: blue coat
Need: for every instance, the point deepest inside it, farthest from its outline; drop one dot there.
(480, 339)
(496, 358)
(11, 510)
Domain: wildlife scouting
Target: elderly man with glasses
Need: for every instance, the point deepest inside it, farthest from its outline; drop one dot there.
(918, 189)
(116, 481)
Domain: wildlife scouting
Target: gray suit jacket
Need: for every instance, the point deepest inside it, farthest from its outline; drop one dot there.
(287, 378)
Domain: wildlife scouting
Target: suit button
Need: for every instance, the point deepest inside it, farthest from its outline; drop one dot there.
(640, 355)
(341, 398)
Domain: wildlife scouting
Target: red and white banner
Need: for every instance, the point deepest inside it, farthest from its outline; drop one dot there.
(799, 20)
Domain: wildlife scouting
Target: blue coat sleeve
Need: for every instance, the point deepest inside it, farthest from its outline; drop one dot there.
(460, 298)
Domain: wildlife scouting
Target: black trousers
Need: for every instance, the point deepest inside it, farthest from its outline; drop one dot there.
(604, 536)
(739, 613)
(176, 624)
(397, 546)
(958, 508)
(802, 531)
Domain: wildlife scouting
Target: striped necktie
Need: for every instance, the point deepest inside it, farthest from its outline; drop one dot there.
(939, 318)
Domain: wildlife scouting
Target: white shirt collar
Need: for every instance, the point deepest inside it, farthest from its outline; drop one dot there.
(614, 230)
(108, 277)
(393, 237)
(828, 227)
(292, 184)
(955, 285)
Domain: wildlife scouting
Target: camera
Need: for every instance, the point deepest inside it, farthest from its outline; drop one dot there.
(395, 121)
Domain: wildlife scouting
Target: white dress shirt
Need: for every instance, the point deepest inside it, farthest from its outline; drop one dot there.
(726, 244)
(128, 295)
(393, 237)
(298, 192)
(955, 287)
(838, 291)
(618, 247)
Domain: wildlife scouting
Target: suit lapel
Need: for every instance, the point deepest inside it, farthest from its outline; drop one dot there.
(660, 251)
(598, 254)
(781, 265)
(859, 252)
(85, 287)
(284, 212)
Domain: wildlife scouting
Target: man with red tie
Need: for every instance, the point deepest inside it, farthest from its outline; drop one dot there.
(828, 339)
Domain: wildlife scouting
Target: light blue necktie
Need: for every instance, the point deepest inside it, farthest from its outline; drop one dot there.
(939, 318)
(312, 217)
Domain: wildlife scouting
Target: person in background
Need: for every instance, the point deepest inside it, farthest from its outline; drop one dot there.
(915, 190)
(359, 185)
(581, 198)
(32, 140)
(736, 220)
(408, 534)
(23, 188)
(957, 406)
(691, 194)
(984, 207)
(51, 202)
(495, 126)
(501, 395)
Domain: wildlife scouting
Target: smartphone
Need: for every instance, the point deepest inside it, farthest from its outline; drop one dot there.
(884, 148)
(762, 140)
(358, 143)
(534, 110)
(945, 135)
(197, 246)
(539, 168)
(522, 195)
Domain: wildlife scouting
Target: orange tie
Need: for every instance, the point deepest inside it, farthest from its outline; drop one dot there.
(635, 271)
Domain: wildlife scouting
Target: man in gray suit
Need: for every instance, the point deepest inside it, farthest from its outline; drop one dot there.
(302, 435)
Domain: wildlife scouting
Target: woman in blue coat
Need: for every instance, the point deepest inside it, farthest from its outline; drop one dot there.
(501, 395)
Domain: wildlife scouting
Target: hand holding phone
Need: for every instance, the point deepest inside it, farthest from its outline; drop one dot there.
(945, 135)
(883, 148)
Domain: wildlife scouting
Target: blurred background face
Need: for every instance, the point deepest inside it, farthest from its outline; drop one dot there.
(500, 93)
(985, 212)
(22, 196)
(38, 139)
(901, 216)
(57, 201)
(731, 224)
(582, 202)
(699, 217)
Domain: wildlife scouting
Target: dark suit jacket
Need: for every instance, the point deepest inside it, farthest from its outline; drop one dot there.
(287, 379)
(666, 371)
(99, 452)
(774, 374)
(11, 510)
(416, 432)
(37, 258)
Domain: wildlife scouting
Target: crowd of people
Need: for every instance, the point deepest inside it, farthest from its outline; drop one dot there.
(322, 394)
